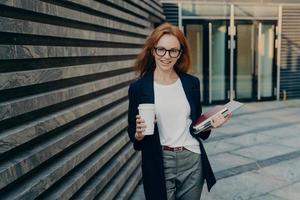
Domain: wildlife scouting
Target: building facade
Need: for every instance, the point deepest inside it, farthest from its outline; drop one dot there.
(65, 67)
(242, 49)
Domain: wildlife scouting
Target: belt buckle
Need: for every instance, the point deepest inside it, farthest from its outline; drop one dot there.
(178, 148)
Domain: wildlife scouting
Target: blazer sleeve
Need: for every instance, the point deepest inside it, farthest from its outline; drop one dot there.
(205, 134)
(132, 112)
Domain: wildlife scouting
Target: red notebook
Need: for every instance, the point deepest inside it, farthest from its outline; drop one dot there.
(204, 121)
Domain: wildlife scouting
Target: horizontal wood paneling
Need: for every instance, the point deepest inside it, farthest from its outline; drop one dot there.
(58, 14)
(101, 8)
(127, 7)
(56, 32)
(17, 107)
(65, 67)
(15, 137)
(25, 78)
(29, 51)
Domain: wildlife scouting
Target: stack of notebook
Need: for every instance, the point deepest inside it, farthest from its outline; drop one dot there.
(204, 121)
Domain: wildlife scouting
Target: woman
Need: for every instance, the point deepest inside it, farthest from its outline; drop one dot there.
(174, 161)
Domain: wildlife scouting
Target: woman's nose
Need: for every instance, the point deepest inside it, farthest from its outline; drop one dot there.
(167, 55)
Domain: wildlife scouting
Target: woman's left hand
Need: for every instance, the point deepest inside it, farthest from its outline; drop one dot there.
(219, 120)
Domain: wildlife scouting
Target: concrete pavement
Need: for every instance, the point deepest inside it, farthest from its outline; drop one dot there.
(255, 156)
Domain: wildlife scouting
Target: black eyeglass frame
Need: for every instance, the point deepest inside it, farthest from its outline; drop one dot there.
(166, 50)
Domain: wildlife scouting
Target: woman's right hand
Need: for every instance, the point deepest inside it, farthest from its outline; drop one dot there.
(140, 128)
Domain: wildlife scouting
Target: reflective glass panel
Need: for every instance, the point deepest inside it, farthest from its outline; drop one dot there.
(204, 10)
(266, 59)
(194, 34)
(218, 48)
(245, 64)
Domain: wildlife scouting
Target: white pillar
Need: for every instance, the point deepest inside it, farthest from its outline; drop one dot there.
(232, 46)
(278, 50)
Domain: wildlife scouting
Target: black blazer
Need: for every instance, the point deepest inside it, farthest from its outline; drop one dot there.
(142, 91)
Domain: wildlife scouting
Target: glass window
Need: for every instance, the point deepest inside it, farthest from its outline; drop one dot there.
(255, 11)
(205, 10)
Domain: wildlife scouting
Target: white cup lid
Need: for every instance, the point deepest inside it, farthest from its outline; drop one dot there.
(146, 106)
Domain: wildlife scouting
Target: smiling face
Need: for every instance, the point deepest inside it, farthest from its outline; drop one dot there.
(165, 60)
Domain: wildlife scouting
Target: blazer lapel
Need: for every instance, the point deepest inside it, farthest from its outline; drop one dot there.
(147, 88)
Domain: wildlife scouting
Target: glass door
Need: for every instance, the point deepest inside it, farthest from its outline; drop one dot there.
(266, 58)
(219, 78)
(254, 76)
(254, 69)
(208, 41)
(244, 69)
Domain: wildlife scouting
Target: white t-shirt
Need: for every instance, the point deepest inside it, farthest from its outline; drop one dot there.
(172, 111)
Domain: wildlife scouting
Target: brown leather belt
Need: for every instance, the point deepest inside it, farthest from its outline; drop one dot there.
(166, 148)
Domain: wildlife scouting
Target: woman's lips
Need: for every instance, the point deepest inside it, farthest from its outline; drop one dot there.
(166, 62)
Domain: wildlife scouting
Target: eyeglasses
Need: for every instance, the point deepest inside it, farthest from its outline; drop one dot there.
(173, 53)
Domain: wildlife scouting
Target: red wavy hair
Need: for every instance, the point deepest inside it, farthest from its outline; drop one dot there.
(145, 60)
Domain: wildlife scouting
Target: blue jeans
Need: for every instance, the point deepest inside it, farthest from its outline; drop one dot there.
(183, 173)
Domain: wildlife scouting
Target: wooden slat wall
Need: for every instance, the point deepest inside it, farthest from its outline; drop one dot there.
(290, 52)
(65, 67)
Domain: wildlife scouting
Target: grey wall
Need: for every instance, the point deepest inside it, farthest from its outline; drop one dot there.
(290, 52)
(65, 67)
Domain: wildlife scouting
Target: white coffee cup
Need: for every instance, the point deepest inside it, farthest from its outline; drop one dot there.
(147, 112)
